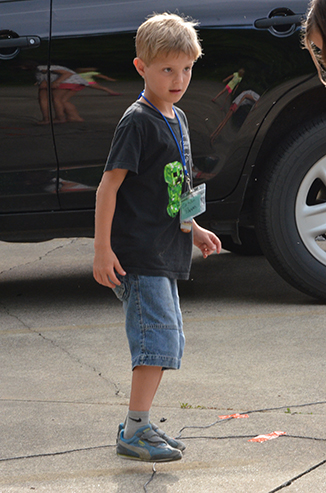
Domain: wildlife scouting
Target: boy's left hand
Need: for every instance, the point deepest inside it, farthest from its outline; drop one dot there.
(205, 240)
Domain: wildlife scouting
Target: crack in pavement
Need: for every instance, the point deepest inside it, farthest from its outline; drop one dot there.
(74, 358)
(284, 485)
(12, 315)
(299, 476)
(52, 454)
(83, 449)
(115, 385)
(221, 421)
(74, 240)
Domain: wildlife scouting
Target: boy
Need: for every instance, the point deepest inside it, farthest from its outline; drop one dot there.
(140, 250)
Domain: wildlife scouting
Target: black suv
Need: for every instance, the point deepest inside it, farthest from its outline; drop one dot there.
(257, 115)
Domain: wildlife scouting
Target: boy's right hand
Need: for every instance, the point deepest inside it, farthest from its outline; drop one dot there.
(105, 266)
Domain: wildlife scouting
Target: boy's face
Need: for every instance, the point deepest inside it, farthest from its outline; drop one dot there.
(166, 78)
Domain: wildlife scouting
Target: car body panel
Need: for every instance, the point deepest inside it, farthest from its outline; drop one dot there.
(56, 169)
(28, 164)
(230, 41)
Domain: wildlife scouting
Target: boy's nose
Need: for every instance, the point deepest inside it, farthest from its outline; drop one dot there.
(178, 77)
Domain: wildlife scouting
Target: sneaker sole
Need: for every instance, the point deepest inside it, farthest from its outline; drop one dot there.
(140, 459)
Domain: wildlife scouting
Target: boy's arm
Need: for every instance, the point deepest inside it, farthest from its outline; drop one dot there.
(106, 264)
(205, 240)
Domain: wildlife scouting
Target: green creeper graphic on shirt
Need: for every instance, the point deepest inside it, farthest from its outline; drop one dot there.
(174, 177)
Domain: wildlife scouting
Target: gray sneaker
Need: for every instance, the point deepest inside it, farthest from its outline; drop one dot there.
(173, 442)
(146, 445)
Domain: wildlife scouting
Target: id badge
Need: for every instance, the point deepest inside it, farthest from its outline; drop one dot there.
(193, 203)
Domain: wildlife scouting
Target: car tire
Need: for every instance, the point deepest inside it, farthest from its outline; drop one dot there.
(249, 243)
(291, 209)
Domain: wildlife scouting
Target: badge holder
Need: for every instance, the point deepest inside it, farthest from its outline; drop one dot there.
(193, 203)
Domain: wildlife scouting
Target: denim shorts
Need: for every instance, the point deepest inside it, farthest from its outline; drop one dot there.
(153, 320)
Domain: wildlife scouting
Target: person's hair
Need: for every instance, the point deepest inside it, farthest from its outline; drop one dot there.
(166, 33)
(315, 22)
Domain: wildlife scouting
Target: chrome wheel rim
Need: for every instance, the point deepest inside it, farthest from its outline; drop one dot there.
(310, 210)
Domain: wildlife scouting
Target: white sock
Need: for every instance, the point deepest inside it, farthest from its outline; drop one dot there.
(134, 421)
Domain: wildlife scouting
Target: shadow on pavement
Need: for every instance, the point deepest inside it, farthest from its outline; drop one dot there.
(224, 277)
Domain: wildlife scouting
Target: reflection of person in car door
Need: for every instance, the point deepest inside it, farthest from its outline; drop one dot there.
(231, 86)
(246, 97)
(91, 74)
(66, 84)
(41, 82)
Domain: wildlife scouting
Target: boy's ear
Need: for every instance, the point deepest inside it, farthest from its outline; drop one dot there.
(139, 66)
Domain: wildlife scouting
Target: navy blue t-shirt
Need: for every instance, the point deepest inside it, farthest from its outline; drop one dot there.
(146, 235)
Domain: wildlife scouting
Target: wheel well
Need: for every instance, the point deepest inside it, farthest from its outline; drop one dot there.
(300, 110)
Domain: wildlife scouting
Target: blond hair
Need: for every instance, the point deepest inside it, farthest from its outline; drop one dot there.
(316, 22)
(166, 33)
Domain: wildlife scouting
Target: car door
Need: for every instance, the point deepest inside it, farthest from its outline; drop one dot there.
(250, 38)
(28, 166)
(96, 40)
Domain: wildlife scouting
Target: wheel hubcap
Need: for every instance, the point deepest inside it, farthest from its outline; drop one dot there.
(310, 210)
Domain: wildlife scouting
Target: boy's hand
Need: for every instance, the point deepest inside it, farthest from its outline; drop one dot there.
(206, 241)
(105, 266)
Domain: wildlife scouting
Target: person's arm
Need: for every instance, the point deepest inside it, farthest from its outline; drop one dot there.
(228, 78)
(106, 264)
(63, 75)
(247, 96)
(205, 240)
(105, 77)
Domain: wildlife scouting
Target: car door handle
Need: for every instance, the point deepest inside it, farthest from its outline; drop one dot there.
(22, 42)
(286, 20)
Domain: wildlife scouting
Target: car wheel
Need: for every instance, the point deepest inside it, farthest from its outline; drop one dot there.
(249, 243)
(291, 210)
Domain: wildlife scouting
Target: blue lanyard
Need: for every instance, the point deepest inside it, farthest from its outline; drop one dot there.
(182, 152)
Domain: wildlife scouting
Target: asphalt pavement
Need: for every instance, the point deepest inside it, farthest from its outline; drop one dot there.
(249, 401)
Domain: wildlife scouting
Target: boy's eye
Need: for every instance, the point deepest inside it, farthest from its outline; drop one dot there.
(167, 69)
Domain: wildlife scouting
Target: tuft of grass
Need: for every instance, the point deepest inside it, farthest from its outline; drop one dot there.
(185, 405)
(288, 411)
